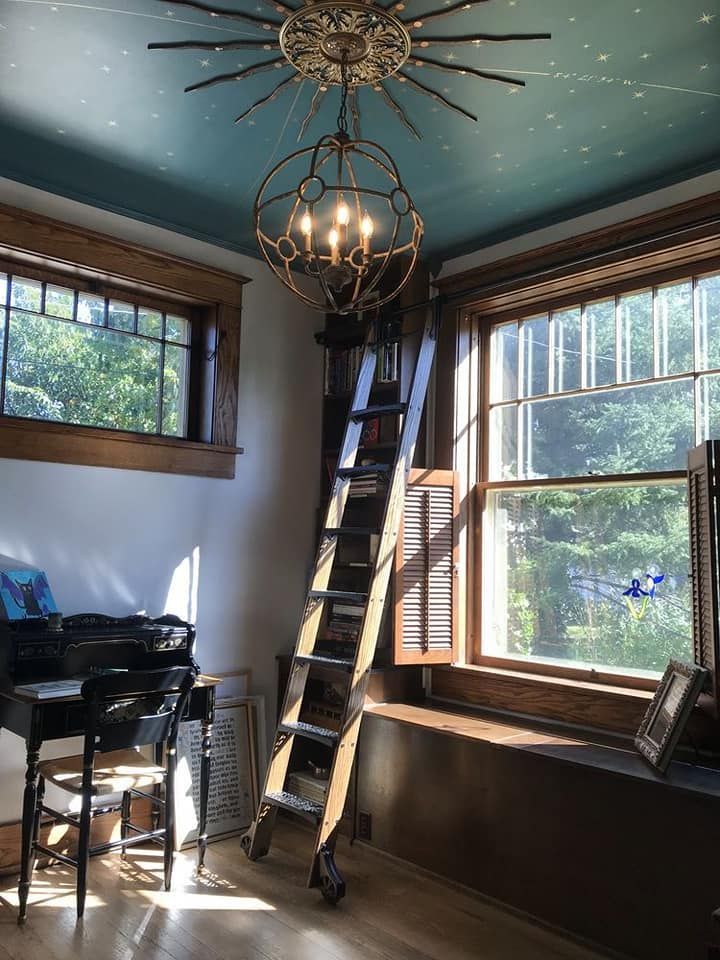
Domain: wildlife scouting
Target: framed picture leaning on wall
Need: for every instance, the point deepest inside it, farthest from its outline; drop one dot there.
(669, 710)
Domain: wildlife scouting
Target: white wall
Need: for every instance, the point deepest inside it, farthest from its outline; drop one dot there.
(118, 541)
(649, 202)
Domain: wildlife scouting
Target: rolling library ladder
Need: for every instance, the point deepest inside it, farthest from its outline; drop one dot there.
(355, 669)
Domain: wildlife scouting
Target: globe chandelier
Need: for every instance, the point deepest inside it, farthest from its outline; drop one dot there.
(347, 222)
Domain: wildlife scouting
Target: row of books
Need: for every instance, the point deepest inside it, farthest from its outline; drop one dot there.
(342, 365)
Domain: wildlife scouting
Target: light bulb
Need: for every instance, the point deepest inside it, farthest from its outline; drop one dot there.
(306, 224)
(366, 226)
(333, 237)
(343, 213)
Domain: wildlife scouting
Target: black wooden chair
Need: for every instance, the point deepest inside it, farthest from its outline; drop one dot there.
(124, 711)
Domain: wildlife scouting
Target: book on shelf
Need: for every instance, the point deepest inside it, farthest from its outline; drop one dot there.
(341, 610)
(342, 365)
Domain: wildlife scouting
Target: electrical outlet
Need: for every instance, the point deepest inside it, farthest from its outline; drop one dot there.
(364, 831)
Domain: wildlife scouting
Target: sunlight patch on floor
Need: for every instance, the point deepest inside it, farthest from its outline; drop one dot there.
(185, 900)
(50, 896)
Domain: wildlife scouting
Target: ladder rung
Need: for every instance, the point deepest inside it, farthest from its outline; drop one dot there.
(300, 805)
(351, 531)
(380, 410)
(310, 732)
(368, 471)
(337, 595)
(332, 663)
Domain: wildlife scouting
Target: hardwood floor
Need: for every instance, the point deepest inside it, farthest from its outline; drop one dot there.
(263, 911)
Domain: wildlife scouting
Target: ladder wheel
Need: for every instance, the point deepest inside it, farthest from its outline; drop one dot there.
(332, 890)
(246, 843)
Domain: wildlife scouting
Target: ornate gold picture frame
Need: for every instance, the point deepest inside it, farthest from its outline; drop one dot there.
(669, 710)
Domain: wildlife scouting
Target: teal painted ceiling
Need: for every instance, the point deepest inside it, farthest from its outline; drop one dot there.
(624, 98)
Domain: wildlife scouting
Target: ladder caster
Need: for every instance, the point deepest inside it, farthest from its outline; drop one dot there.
(332, 885)
(246, 843)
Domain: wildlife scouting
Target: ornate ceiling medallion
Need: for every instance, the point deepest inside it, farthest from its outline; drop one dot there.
(379, 48)
(373, 43)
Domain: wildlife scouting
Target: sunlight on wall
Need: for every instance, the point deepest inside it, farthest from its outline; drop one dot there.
(182, 596)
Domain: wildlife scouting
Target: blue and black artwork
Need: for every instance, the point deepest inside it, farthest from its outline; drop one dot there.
(25, 594)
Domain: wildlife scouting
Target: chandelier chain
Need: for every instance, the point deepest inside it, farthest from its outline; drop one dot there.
(342, 114)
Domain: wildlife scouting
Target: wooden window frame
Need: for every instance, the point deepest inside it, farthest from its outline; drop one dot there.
(36, 247)
(657, 248)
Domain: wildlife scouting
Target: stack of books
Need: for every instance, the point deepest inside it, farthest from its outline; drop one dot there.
(305, 785)
(344, 622)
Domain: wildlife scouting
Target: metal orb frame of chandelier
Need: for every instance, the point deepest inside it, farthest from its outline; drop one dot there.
(348, 220)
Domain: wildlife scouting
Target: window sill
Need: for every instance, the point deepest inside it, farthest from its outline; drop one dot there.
(580, 704)
(95, 447)
(528, 739)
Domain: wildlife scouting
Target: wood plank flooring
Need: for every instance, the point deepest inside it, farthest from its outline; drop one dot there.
(263, 911)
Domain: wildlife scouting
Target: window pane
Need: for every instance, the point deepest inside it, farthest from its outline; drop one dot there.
(503, 362)
(149, 322)
(534, 356)
(2, 338)
(503, 443)
(91, 309)
(3, 289)
(26, 294)
(708, 306)
(176, 329)
(64, 371)
(121, 316)
(59, 302)
(558, 563)
(566, 349)
(709, 407)
(174, 391)
(674, 328)
(636, 336)
(599, 321)
(623, 430)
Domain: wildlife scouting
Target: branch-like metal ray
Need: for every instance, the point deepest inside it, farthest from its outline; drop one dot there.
(355, 112)
(227, 14)
(314, 107)
(396, 108)
(271, 96)
(416, 85)
(477, 38)
(239, 74)
(424, 18)
(216, 47)
(464, 71)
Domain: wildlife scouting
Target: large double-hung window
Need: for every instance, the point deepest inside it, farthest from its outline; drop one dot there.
(589, 411)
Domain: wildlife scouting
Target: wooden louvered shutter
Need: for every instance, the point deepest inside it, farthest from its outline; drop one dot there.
(425, 628)
(703, 491)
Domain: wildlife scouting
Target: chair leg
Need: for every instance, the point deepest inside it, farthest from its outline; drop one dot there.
(169, 857)
(32, 856)
(124, 820)
(83, 852)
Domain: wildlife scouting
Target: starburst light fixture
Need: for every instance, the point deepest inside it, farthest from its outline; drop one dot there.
(380, 48)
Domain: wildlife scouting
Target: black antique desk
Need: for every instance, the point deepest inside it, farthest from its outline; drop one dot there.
(56, 718)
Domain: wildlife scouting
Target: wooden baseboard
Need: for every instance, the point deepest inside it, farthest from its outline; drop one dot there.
(105, 827)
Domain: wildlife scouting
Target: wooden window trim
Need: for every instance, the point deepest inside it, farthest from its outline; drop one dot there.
(37, 247)
(664, 246)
